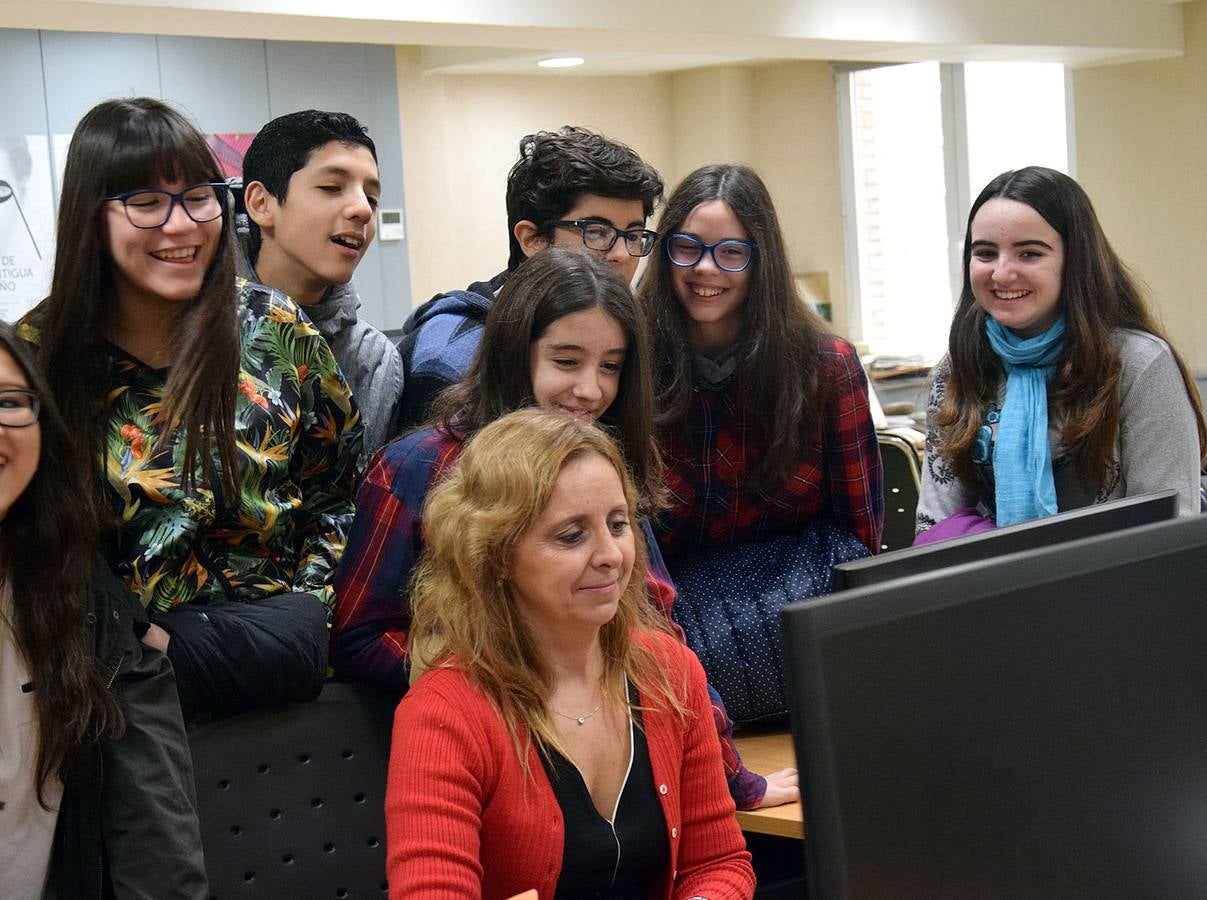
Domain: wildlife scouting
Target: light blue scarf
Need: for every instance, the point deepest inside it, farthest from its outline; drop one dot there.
(1022, 457)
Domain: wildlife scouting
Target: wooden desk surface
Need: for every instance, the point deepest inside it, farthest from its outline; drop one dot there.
(763, 752)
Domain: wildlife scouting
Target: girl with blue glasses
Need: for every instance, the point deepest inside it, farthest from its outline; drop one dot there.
(770, 455)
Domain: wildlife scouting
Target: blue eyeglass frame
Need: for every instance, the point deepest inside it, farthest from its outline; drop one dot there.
(710, 249)
(175, 200)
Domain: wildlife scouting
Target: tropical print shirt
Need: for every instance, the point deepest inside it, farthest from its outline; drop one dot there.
(298, 435)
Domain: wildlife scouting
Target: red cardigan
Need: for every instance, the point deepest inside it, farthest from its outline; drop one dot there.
(463, 821)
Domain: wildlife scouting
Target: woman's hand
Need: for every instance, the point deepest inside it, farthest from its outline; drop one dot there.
(158, 638)
(782, 787)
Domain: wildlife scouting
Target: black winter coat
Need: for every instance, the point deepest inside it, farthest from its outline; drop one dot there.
(127, 826)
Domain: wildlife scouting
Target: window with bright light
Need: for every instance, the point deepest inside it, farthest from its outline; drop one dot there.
(920, 142)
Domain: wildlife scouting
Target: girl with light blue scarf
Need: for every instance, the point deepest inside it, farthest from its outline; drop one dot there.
(1059, 388)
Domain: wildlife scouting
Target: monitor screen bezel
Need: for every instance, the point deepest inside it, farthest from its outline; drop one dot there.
(1101, 518)
(807, 623)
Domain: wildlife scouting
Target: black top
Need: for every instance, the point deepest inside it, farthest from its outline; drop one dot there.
(617, 860)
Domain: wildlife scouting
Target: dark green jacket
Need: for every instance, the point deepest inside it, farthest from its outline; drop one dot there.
(128, 823)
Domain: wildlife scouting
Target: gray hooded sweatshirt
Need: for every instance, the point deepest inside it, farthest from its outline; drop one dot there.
(369, 360)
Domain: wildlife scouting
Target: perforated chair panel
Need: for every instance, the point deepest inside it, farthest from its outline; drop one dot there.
(902, 483)
(291, 798)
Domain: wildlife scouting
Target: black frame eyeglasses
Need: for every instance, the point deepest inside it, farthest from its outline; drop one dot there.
(19, 407)
(601, 236)
(147, 208)
(686, 251)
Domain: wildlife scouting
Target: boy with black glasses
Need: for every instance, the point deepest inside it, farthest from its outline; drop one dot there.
(570, 188)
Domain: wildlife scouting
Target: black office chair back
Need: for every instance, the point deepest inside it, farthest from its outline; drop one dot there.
(902, 482)
(291, 798)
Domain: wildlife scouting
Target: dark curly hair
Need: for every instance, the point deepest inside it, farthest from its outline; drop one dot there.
(555, 168)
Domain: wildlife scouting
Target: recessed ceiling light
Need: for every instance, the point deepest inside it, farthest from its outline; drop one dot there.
(561, 62)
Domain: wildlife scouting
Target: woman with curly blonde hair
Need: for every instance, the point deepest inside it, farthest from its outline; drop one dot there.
(562, 737)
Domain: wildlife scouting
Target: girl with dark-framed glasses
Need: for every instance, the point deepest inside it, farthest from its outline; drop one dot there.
(223, 435)
(764, 421)
(95, 774)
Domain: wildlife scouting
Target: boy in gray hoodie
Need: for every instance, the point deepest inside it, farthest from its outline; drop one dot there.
(311, 190)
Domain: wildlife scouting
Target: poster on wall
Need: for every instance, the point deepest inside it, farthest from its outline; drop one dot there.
(26, 223)
(229, 149)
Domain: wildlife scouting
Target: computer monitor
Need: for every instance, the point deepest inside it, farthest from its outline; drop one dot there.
(1067, 526)
(1029, 727)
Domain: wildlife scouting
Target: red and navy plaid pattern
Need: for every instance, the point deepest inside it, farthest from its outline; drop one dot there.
(372, 614)
(707, 464)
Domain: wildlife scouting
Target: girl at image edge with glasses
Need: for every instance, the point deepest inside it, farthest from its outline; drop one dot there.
(95, 775)
(223, 436)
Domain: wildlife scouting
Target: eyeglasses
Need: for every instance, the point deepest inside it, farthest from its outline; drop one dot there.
(602, 236)
(686, 251)
(19, 408)
(150, 209)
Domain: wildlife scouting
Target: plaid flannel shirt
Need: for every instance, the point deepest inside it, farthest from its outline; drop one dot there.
(707, 462)
(372, 613)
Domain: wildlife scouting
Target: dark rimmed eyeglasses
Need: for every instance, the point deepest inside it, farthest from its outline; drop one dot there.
(602, 236)
(686, 251)
(150, 209)
(19, 408)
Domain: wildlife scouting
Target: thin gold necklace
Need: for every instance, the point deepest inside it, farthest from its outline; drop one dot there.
(581, 720)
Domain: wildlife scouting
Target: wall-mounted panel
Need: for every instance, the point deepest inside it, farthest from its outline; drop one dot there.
(319, 76)
(361, 81)
(21, 73)
(221, 83)
(226, 86)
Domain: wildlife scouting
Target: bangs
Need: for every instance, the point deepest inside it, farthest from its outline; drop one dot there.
(155, 146)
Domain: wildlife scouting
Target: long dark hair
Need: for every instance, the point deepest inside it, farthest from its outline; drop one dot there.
(551, 285)
(52, 601)
(1097, 296)
(123, 145)
(780, 366)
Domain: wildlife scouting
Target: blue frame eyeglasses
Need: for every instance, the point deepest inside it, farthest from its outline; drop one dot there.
(148, 208)
(686, 251)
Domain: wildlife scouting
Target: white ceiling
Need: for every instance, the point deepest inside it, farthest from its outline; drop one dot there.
(642, 36)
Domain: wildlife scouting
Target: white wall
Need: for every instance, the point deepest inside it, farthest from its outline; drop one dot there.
(461, 132)
(1141, 134)
(461, 135)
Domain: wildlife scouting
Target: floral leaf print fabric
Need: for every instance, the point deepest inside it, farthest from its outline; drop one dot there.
(298, 435)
